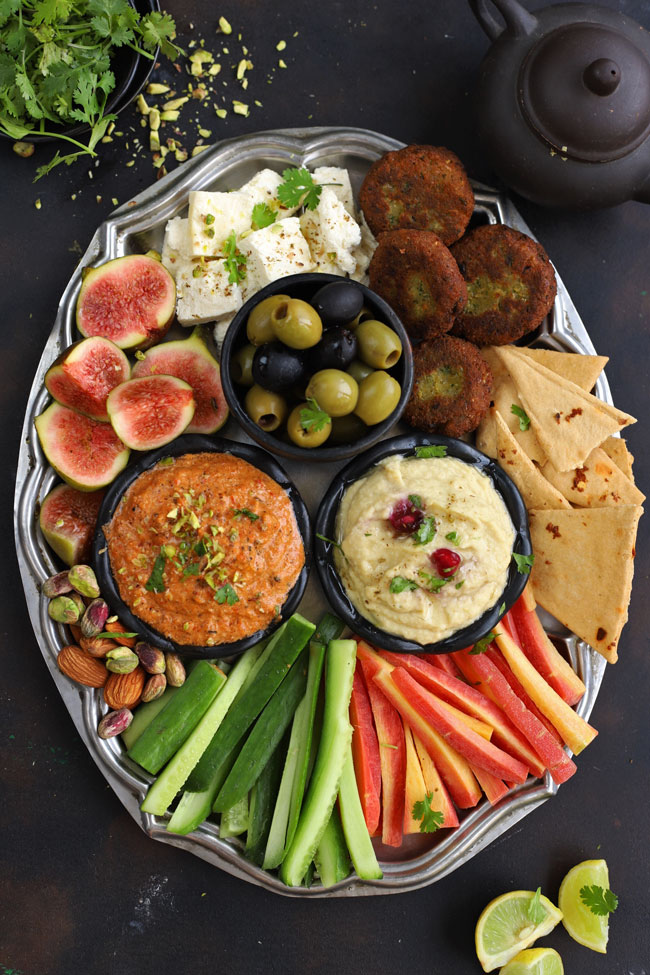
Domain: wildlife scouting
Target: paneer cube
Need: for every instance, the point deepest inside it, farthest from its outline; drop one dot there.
(338, 180)
(263, 188)
(334, 233)
(204, 293)
(176, 244)
(274, 252)
(213, 217)
(310, 226)
(363, 252)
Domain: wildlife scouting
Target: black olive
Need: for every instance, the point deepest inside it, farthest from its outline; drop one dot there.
(338, 302)
(336, 350)
(277, 367)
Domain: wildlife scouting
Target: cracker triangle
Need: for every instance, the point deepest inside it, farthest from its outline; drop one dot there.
(567, 421)
(598, 483)
(583, 370)
(536, 491)
(582, 574)
(504, 397)
(616, 448)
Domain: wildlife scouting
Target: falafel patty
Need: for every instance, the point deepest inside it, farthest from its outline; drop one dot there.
(510, 285)
(452, 384)
(418, 188)
(415, 273)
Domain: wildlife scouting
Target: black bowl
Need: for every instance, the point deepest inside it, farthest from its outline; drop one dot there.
(186, 445)
(326, 527)
(305, 286)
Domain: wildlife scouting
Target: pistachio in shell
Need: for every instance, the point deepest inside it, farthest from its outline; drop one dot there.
(114, 723)
(154, 688)
(63, 609)
(83, 580)
(121, 660)
(57, 585)
(151, 658)
(174, 669)
(94, 618)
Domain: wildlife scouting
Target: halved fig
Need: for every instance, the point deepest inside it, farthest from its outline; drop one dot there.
(190, 359)
(83, 376)
(149, 412)
(68, 518)
(130, 300)
(85, 453)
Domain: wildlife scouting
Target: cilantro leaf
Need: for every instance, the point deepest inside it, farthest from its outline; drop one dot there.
(400, 584)
(238, 512)
(330, 541)
(155, 582)
(536, 911)
(524, 563)
(192, 569)
(432, 819)
(235, 262)
(452, 536)
(262, 216)
(226, 594)
(599, 901)
(158, 30)
(416, 501)
(312, 418)
(524, 419)
(481, 645)
(424, 534)
(431, 450)
(433, 583)
(298, 189)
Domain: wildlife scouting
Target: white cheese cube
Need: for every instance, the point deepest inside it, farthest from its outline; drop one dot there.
(176, 244)
(363, 252)
(338, 231)
(263, 188)
(205, 296)
(339, 182)
(213, 217)
(310, 226)
(274, 252)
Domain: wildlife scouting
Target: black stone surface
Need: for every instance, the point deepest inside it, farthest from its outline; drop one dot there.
(81, 887)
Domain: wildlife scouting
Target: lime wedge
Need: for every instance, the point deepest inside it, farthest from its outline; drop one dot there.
(505, 927)
(591, 930)
(534, 961)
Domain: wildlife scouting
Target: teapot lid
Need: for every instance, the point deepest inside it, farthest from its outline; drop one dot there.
(585, 89)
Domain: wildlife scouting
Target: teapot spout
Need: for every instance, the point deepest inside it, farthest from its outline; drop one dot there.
(642, 195)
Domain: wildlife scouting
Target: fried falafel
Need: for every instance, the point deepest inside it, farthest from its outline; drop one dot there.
(415, 273)
(510, 281)
(418, 188)
(452, 384)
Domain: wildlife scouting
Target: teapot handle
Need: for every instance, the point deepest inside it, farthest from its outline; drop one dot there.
(519, 22)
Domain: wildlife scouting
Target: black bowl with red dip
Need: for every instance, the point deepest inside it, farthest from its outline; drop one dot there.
(203, 546)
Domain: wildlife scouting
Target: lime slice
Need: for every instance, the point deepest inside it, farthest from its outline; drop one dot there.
(534, 961)
(505, 927)
(586, 928)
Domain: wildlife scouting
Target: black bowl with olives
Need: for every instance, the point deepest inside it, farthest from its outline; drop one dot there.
(316, 367)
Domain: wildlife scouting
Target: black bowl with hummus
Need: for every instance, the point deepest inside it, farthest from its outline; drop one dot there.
(354, 437)
(416, 541)
(203, 546)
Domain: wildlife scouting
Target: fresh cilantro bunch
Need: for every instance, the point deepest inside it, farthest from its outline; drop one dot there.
(55, 65)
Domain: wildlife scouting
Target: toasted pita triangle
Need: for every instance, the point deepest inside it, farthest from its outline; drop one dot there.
(583, 370)
(536, 491)
(616, 448)
(504, 397)
(567, 421)
(597, 484)
(584, 562)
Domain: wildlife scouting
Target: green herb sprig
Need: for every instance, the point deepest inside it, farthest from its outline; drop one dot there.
(432, 819)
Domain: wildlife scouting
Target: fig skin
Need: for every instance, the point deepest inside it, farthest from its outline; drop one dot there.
(130, 300)
(67, 519)
(149, 412)
(90, 362)
(84, 453)
(191, 360)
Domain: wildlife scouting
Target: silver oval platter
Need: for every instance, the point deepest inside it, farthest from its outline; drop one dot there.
(135, 228)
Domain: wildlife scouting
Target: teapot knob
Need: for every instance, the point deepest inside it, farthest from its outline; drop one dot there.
(602, 76)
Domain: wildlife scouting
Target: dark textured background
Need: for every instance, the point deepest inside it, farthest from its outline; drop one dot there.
(81, 888)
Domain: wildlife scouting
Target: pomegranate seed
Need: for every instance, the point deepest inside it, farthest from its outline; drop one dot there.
(445, 561)
(405, 517)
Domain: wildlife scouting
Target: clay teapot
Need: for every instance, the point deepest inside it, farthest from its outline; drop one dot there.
(563, 103)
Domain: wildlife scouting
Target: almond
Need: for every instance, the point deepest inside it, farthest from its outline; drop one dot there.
(97, 646)
(124, 690)
(81, 667)
(117, 627)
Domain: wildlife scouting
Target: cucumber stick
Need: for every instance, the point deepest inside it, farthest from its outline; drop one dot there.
(332, 859)
(332, 753)
(355, 830)
(262, 801)
(234, 821)
(172, 726)
(144, 715)
(265, 736)
(174, 775)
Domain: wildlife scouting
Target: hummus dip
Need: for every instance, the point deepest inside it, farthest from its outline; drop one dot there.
(393, 578)
(205, 548)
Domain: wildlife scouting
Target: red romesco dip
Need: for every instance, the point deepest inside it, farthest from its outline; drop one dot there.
(205, 548)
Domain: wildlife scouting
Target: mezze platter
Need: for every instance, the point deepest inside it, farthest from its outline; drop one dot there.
(135, 228)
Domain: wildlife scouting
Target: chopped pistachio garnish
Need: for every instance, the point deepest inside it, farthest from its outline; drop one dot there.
(224, 26)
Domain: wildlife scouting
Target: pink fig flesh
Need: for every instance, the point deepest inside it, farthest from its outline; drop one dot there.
(85, 453)
(130, 300)
(191, 360)
(85, 374)
(68, 518)
(149, 412)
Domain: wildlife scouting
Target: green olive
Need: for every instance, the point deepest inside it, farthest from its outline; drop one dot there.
(258, 324)
(359, 370)
(347, 429)
(296, 323)
(307, 436)
(241, 365)
(379, 346)
(379, 394)
(334, 391)
(265, 408)
(363, 315)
